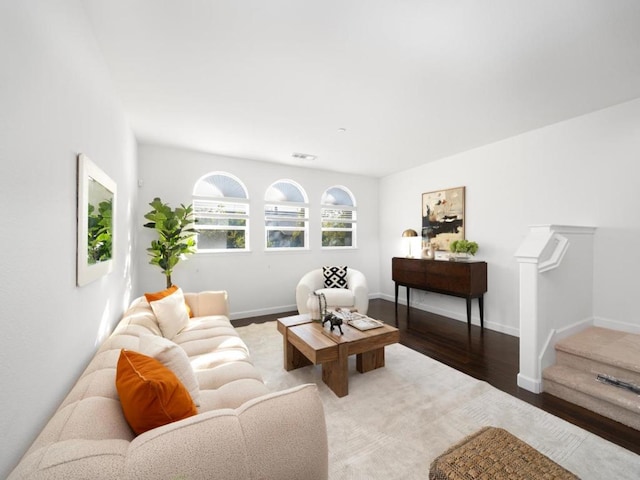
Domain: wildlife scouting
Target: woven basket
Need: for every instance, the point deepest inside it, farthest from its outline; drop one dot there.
(493, 453)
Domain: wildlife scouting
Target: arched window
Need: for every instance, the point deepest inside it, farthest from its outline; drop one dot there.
(286, 216)
(221, 210)
(338, 208)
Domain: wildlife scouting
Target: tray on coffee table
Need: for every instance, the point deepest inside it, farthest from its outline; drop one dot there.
(358, 320)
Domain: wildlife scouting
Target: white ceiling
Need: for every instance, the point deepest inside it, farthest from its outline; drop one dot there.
(411, 81)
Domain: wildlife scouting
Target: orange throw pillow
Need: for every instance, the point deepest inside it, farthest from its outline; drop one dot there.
(152, 297)
(150, 394)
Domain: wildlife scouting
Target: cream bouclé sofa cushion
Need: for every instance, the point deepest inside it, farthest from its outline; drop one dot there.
(175, 359)
(339, 297)
(240, 443)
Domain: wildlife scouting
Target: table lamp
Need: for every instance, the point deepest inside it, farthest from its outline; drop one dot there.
(409, 233)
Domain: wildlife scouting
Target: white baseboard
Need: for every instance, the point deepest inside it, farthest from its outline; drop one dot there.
(530, 384)
(497, 327)
(547, 355)
(390, 298)
(616, 325)
(262, 311)
(460, 316)
(276, 310)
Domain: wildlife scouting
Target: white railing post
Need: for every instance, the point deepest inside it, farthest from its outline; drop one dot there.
(541, 251)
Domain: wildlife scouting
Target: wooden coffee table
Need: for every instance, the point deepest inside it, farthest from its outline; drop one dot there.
(309, 343)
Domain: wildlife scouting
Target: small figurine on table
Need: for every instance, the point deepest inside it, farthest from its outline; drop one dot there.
(333, 321)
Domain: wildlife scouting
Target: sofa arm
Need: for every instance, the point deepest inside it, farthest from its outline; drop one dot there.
(309, 282)
(358, 285)
(207, 303)
(280, 435)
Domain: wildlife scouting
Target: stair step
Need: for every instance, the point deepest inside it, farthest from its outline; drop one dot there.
(610, 347)
(595, 367)
(583, 389)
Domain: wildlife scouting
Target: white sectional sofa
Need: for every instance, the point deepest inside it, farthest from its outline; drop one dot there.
(241, 431)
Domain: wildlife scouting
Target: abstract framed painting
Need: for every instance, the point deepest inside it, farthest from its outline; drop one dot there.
(443, 217)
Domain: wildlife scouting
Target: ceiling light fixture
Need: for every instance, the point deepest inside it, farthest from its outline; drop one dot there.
(304, 156)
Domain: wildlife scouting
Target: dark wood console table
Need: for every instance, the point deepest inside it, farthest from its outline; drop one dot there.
(466, 279)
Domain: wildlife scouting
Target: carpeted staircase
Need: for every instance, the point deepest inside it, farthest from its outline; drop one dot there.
(595, 351)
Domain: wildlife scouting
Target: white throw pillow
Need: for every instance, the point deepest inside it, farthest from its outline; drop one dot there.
(171, 313)
(175, 359)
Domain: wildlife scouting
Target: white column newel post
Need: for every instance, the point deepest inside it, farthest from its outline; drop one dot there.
(529, 256)
(529, 375)
(548, 311)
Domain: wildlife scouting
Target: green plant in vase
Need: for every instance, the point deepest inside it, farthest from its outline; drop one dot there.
(176, 235)
(463, 247)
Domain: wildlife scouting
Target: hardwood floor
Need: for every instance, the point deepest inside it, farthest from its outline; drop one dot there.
(486, 355)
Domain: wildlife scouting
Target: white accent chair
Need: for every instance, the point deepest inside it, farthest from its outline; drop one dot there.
(355, 296)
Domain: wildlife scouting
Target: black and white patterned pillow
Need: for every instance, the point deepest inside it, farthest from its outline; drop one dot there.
(335, 277)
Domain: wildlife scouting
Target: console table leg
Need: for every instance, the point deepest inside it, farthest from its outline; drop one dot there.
(408, 309)
(469, 312)
(396, 304)
(481, 306)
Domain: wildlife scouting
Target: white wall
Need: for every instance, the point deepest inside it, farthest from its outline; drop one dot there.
(56, 101)
(258, 282)
(579, 172)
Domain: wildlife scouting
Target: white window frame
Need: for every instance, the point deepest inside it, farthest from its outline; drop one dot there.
(327, 217)
(271, 205)
(224, 209)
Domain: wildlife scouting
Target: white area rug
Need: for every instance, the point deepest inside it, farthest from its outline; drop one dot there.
(397, 419)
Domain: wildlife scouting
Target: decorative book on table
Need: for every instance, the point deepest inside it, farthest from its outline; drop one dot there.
(358, 320)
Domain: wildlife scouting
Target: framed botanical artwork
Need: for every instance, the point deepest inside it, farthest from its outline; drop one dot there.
(442, 217)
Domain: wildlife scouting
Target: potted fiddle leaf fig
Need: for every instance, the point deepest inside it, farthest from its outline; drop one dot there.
(176, 235)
